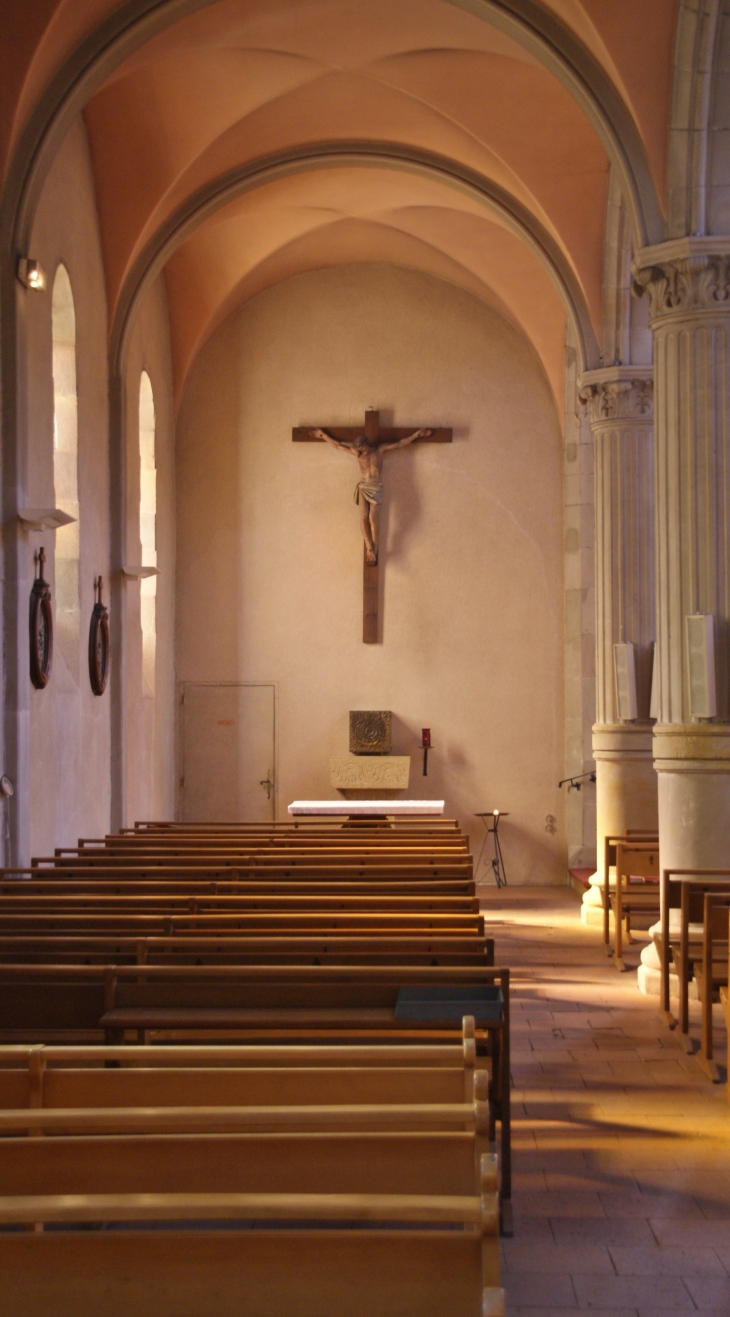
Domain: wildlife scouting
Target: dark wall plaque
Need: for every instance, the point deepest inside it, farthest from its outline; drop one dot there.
(369, 732)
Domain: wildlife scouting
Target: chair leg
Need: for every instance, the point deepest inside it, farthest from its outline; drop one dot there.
(618, 920)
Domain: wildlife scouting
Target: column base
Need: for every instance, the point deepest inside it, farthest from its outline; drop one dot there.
(626, 781)
(693, 771)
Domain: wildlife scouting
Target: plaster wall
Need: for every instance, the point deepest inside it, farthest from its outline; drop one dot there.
(69, 727)
(149, 716)
(269, 554)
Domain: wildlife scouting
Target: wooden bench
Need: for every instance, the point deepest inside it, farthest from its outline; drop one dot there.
(189, 883)
(40, 1085)
(636, 891)
(253, 1002)
(232, 948)
(214, 902)
(216, 1091)
(361, 1162)
(383, 1272)
(345, 843)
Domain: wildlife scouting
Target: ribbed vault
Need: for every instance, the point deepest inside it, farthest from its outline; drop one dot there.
(534, 100)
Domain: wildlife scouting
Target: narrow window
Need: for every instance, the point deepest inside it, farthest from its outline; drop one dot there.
(147, 529)
(66, 470)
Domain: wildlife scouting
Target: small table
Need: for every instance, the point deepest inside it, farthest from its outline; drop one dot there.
(368, 808)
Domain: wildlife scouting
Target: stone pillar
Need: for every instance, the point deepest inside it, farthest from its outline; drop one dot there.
(620, 404)
(688, 281)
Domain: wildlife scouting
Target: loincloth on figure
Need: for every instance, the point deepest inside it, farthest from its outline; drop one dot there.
(371, 491)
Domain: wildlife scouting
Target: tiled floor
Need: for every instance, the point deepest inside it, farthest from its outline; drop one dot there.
(622, 1146)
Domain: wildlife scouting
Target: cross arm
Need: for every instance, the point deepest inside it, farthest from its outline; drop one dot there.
(346, 434)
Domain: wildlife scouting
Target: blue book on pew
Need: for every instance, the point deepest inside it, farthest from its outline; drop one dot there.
(449, 1003)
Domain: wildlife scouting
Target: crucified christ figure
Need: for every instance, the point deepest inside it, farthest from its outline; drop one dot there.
(369, 490)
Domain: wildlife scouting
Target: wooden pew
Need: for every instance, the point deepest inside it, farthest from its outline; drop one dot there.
(217, 902)
(368, 844)
(130, 881)
(227, 948)
(383, 1272)
(364, 1162)
(633, 859)
(302, 827)
(64, 1090)
(288, 1003)
(160, 923)
(76, 1087)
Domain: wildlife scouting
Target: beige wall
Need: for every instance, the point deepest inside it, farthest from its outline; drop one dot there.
(69, 726)
(269, 557)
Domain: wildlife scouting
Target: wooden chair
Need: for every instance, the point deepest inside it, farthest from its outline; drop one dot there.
(711, 972)
(636, 890)
(610, 842)
(683, 892)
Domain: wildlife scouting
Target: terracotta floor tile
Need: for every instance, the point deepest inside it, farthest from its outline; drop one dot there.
(628, 1203)
(564, 1259)
(568, 1203)
(681, 1232)
(571, 1312)
(530, 1288)
(666, 1262)
(723, 1254)
(710, 1293)
(666, 1293)
(632, 1232)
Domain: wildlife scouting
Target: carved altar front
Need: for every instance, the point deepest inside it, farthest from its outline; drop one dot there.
(361, 777)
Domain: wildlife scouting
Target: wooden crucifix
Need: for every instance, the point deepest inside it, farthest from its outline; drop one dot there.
(369, 446)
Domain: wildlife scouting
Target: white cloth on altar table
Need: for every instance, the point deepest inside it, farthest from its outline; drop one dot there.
(345, 807)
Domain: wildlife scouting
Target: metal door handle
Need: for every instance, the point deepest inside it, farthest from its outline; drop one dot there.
(269, 786)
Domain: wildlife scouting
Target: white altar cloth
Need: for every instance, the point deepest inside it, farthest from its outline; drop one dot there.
(345, 808)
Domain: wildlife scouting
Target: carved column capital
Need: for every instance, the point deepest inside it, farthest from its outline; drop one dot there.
(618, 393)
(686, 277)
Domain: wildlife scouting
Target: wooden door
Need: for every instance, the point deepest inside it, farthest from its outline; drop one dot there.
(228, 739)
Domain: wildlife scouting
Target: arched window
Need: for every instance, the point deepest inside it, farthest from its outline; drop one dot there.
(66, 469)
(147, 529)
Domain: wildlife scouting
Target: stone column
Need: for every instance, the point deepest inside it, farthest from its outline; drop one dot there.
(688, 281)
(620, 402)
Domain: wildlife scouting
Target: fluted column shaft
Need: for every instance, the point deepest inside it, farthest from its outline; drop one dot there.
(688, 282)
(620, 406)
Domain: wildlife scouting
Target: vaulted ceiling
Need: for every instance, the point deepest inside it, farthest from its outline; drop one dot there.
(236, 143)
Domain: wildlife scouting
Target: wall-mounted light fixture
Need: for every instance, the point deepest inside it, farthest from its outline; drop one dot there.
(139, 573)
(31, 273)
(44, 518)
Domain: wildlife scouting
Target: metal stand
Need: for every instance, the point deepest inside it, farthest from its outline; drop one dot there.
(500, 873)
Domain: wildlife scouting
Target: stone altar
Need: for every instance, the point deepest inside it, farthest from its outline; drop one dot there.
(372, 775)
